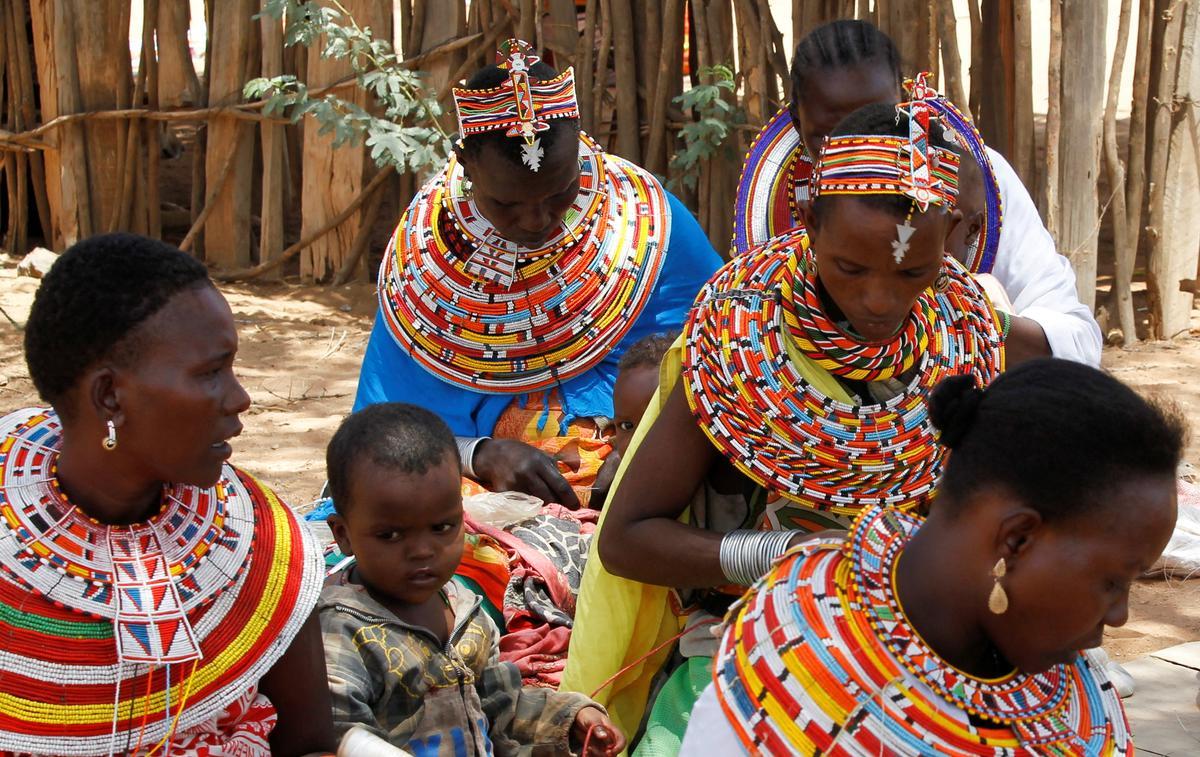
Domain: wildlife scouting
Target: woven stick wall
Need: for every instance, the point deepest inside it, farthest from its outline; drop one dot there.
(84, 139)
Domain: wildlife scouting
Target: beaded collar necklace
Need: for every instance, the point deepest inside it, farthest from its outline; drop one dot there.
(145, 577)
(482, 252)
(840, 353)
(479, 312)
(1035, 706)
(782, 431)
(774, 178)
(819, 658)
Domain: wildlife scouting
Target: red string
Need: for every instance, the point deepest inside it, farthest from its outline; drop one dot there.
(649, 654)
(587, 740)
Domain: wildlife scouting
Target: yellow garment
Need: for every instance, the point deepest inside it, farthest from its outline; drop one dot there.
(618, 621)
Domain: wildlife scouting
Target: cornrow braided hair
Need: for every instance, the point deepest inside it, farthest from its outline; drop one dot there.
(841, 44)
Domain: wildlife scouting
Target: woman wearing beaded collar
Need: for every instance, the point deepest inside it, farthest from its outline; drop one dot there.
(846, 64)
(805, 367)
(519, 275)
(1059, 492)
(152, 597)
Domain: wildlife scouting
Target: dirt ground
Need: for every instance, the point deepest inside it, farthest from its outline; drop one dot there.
(299, 359)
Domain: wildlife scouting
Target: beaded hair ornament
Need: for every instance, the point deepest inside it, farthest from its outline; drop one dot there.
(981, 256)
(519, 106)
(857, 164)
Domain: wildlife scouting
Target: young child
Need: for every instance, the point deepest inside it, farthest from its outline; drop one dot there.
(410, 656)
(637, 380)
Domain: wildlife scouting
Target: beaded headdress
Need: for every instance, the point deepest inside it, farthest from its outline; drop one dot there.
(982, 256)
(519, 106)
(856, 164)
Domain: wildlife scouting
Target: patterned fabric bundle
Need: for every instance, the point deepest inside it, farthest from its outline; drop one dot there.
(124, 635)
(759, 315)
(483, 313)
(819, 658)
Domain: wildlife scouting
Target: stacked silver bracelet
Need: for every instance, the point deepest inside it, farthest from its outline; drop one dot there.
(466, 452)
(747, 555)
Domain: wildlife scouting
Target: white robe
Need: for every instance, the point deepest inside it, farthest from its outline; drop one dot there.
(1040, 282)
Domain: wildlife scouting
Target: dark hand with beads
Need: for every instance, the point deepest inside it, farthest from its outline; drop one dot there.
(593, 728)
(509, 465)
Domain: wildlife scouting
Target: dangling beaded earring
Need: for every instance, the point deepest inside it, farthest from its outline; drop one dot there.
(110, 441)
(942, 282)
(998, 599)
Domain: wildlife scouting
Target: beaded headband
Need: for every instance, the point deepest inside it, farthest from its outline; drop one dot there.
(519, 106)
(857, 164)
(983, 255)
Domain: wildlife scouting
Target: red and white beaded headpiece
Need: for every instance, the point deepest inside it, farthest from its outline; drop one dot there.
(884, 164)
(520, 106)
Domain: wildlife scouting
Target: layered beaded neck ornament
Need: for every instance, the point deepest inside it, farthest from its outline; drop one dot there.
(519, 106)
(760, 315)
(481, 312)
(981, 257)
(819, 658)
(775, 180)
(164, 623)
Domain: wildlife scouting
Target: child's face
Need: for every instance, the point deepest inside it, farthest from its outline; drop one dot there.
(631, 394)
(404, 529)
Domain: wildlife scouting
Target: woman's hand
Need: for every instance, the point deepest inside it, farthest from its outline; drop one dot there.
(507, 465)
(592, 726)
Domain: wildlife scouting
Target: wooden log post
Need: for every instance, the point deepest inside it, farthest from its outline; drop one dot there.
(1022, 94)
(625, 66)
(1123, 259)
(1083, 27)
(1052, 177)
(997, 101)
(1174, 200)
(274, 153)
(1135, 160)
(333, 178)
(178, 84)
(585, 65)
(951, 57)
(82, 53)
(664, 89)
(443, 22)
(227, 232)
(561, 32)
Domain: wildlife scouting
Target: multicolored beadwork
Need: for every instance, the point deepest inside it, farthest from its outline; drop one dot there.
(750, 398)
(860, 164)
(819, 658)
(983, 258)
(110, 630)
(520, 106)
(777, 173)
(481, 312)
(775, 179)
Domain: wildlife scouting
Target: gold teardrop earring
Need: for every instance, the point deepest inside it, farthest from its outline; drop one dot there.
(110, 441)
(998, 599)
